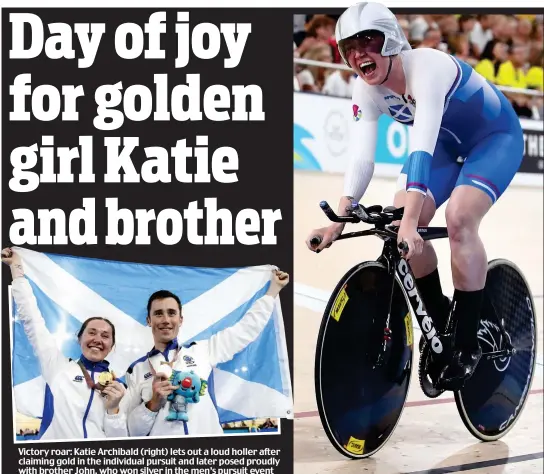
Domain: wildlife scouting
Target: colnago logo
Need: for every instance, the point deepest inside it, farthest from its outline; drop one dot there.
(490, 334)
(415, 300)
(513, 416)
(529, 305)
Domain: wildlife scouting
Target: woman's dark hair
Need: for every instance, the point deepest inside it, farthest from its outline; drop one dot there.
(487, 52)
(84, 325)
(160, 295)
(463, 19)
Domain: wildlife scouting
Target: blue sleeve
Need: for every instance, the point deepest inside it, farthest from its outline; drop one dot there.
(419, 171)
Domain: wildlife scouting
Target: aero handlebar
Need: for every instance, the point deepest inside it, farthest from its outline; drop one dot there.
(376, 215)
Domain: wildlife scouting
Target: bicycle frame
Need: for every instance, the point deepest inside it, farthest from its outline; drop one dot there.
(400, 269)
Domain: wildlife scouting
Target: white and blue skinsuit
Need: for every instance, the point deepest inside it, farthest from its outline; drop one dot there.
(454, 113)
(71, 409)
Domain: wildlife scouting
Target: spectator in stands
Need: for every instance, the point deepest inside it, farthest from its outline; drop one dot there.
(509, 29)
(268, 424)
(448, 26)
(535, 80)
(466, 23)
(535, 74)
(511, 73)
(319, 30)
(494, 54)
(523, 32)
(481, 34)
(459, 46)
(501, 30)
(296, 83)
(431, 39)
(250, 426)
(312, 78)
(419, 26)
(537, 40)
(405, 25)
(339, 83)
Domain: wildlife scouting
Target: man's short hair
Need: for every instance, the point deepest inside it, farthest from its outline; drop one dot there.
(161, 295)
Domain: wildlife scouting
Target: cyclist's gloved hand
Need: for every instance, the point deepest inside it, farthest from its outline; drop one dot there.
(320, 239)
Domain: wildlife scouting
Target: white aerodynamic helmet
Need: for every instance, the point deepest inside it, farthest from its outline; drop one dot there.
(366, 16)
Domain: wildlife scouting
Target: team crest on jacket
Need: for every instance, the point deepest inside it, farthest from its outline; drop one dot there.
(189, 361)
(357, 113)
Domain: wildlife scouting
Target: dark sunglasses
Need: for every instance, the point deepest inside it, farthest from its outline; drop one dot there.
(364, 42)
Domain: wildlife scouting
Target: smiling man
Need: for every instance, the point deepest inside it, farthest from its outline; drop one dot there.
(150, 398)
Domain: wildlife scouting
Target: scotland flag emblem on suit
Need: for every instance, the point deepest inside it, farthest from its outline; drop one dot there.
(255, 383)
(401, 113)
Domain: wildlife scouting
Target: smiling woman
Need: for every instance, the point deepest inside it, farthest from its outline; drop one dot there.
(97, 338)
(82, 396)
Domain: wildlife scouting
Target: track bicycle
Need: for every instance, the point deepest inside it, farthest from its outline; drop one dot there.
(363, 360)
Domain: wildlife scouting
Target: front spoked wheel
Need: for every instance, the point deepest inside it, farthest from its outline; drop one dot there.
(494, 397)
(362, 366)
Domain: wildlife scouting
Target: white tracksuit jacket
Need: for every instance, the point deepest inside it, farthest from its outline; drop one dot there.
(200, 357)
(71, 409)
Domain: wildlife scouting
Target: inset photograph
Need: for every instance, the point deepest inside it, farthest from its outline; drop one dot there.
(104, 349)
(418, 161)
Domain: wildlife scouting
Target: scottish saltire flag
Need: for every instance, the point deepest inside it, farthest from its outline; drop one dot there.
(256, 383)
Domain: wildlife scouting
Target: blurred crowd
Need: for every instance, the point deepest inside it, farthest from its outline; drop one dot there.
(255, 425)
(506, 49)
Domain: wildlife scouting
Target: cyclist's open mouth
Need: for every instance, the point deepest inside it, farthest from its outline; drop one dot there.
(368, 67)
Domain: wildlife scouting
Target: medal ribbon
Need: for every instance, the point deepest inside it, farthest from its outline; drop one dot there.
(88, 379)
(171, 363)
(90, 382)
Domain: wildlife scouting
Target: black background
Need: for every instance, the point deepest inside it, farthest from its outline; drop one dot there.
(264, 148)
(265, 165)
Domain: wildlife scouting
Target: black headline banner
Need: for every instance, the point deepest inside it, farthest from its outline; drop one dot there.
(181, 158)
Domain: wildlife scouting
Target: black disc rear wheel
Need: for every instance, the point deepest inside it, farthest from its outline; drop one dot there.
(494, 397)
(360, 402)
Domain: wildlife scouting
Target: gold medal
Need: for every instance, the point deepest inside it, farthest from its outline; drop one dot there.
(105, 378)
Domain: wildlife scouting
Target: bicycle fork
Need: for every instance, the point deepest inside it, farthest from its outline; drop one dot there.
(387, 258)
